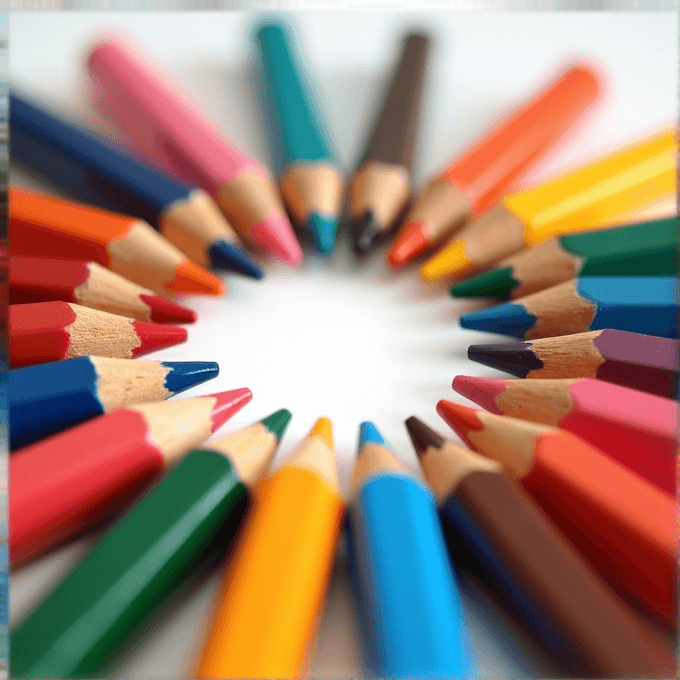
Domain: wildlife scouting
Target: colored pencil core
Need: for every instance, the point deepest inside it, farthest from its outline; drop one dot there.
(227, 404)
(412, 241)
(167, 311)
(369, 434)
(186, 374)
(323, 228)
(482, 391)
(422, 436)
(459, 417)
(497, 283)
(230, 256)
(508, 319)
(153, 337)
(450, 260)
(190, 278)
(323, 429)
(275, 236)
(277, 422)
(515, 358)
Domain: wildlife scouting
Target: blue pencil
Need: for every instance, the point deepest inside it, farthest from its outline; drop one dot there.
(48, 398)
(410, 612)
(311, 185)
(95, 172)
(642, 304)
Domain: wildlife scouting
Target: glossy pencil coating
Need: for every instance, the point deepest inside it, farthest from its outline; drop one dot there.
(79, 628)
(265, 619)
(643, 249)
(49, 398)
(408, 605)
(45, 226)
(172, 131)
(592, 195)
(493, 164)
(583, 625)
(47, 331)
(381, 186)
(637, 429)
(625, 527)
(97, 173)
(643, 304)
(311, 186)
(37, 279)
(643, 362)
(69, 482)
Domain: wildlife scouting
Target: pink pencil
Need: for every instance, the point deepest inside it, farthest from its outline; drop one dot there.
(173, 133)
(638, 429)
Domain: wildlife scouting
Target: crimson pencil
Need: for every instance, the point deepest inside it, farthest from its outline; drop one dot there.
(637, 429)
(68, 482)
(625, 527)
(48, 331)
(37, 279)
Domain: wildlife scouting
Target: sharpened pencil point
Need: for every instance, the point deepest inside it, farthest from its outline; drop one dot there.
(461, 419)
(155, 336)
(323, 428)
(411, 242)
(275, 235)
(496, 283)
(508, 319)
(516, 358)
(231, 257)
(365, 230)
(482, 391)
(323, 228)
(369, 434)
(277, 422)
(227, 404)
(422, 436)
(186, 374)
(167, 311)
(190, 279)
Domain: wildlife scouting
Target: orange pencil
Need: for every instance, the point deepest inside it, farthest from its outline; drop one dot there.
(274, 587)
(45, 226)
(624, 526)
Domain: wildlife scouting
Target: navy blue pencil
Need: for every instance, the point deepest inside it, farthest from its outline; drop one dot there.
(95, 172)
(48, 398)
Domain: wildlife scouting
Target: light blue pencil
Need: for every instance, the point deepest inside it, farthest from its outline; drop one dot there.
(311, 184)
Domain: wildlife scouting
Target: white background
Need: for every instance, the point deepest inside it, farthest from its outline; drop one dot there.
(353, 341)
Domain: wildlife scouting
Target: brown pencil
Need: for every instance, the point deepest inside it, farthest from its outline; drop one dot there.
(380, 188)
(577, 618)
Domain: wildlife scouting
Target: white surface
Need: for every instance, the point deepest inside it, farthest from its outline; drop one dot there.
(352, 341)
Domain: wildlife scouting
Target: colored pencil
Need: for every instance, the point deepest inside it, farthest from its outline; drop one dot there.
(49, 331)
(97, 173)
(171, 131)
(91, 386)
(264, 622)
(37, 279)
(380, 189)
(81, 627)
(495, 162)
(311, 185)
(69, 482)
(46, 226)
(643, 304)
(593, 195)
(643, 362)
(644, 249)
(584, 627)
(406, 596)
(625, 527)
(636, 429)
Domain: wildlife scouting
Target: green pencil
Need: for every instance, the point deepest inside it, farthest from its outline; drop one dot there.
(642, 249)
(93, 613)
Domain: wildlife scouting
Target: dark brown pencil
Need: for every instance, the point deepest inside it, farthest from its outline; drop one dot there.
(381, 186)
(572, 612)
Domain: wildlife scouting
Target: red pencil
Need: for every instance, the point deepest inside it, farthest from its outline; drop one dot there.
(49, 331)
(637, 429)
(37, 279)
(624, 526)
(65, 484)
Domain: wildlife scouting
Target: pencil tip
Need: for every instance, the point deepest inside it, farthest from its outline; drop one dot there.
(154, 336)
(422, 436)
(411, 242)
(507, 319)
(482, 391)
(228, 404)
(496, 283)
(364, 229)
(461, 419)
(323, 228)
(452, 259)
(369, 434)
(190, 279)
(323, 428)
(231, 257)
(277, 422)
(186, 374)
(167, 311)
(516, 358)
(275, 236)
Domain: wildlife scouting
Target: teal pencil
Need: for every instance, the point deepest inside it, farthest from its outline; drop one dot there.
(311, 185)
